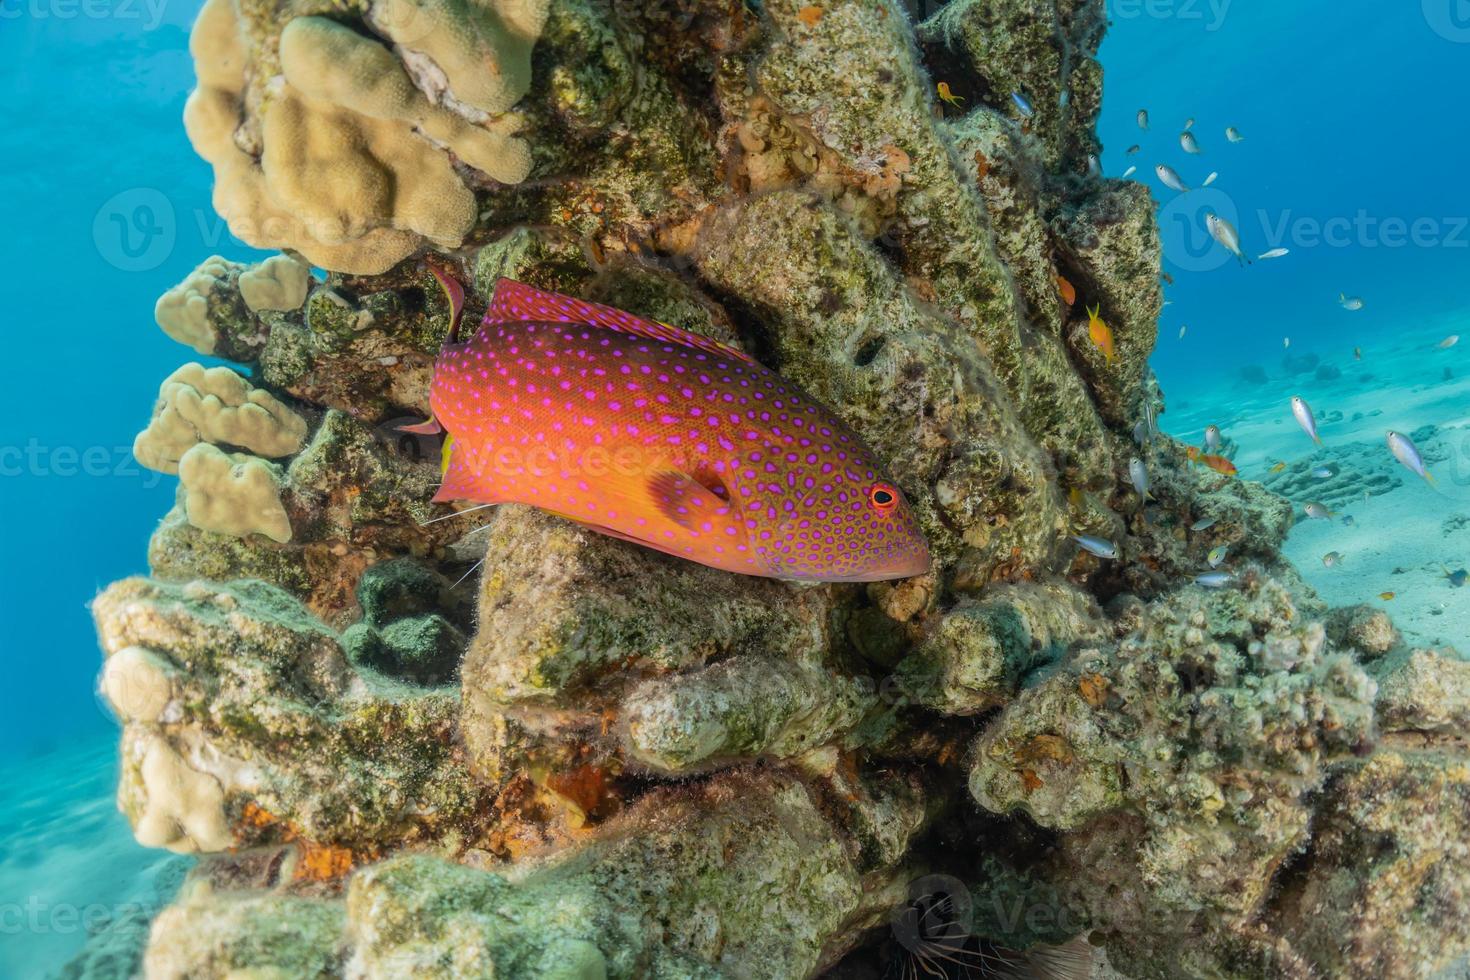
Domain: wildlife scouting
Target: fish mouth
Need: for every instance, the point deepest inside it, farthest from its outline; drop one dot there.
(906, 566)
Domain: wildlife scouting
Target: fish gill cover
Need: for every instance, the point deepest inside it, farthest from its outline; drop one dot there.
(407, 737)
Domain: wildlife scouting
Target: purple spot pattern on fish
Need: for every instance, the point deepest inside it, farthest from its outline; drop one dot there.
(649, 433)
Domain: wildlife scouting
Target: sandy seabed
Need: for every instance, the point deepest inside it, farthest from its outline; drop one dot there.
(1395, 532)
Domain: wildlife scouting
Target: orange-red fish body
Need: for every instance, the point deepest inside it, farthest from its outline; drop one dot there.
(1219, 464)
(655, 435)
(1066, 289)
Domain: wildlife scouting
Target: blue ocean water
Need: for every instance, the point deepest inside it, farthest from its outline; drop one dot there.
(1353, 158)
(1352, 114)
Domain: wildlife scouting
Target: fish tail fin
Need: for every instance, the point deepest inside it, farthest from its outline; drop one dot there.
(1429, 478)
(1317, 439)
(1093, 311)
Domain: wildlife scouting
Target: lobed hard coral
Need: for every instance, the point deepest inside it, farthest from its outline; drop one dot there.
(217, 406)
(322, 142)
(409, 738)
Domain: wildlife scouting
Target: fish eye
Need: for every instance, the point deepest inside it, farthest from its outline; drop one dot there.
(883, 497)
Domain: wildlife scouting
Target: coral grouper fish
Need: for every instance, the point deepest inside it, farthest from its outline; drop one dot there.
(658, 436)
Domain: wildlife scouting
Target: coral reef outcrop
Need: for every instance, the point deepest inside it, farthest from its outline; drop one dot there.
(403, 738)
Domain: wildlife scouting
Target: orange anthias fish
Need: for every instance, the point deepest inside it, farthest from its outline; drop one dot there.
(1102, 337)
(947, 96)
(1068, 291)
(655, 435)
(1218, 463)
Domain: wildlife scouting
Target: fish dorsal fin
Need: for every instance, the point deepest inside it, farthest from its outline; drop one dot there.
(517, 302)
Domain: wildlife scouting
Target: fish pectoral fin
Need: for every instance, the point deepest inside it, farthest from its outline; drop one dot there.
(697, 502)
(429, 427)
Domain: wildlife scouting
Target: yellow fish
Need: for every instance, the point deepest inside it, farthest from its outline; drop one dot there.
(947, 96)
(1278, 468)
(1102, 337)
(1387, 596)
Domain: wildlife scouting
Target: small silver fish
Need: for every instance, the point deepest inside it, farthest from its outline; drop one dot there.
(1023, 104)
(1143, 119)
(1275, 253)
(1129, 172)
(1233, 134)
(1224, 232)
(1286, 342)
(1317, 512)
(1448, 342)
(1169, 178)
(1182, 331)
(1203, 524)
(1138, 473)
(1101, 547)
(1214, 580)
(1189, 123)
(1347, 520)
(1406, 452)
(1140, 433)
(1349, 302)
(1212, 437)
(1133, 149)
(1189, 143)
(1214, 175)
(1331, 558)
(1302, 412)
(1216, 557)
(1093, 166)
(1326, 471)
